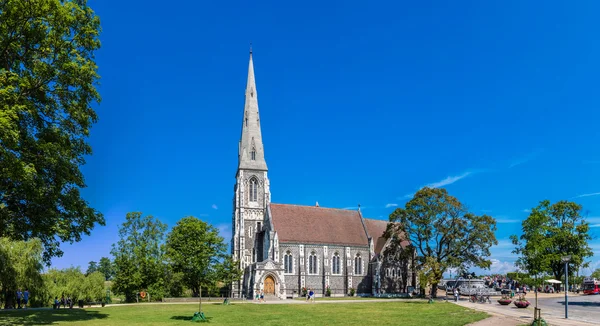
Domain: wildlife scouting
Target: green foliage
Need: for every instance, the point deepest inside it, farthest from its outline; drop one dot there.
(596, 273)
(194, 248)
(229, 271)
(71, 282)
(443, 233)
(92, 267)
(105, 266)
(47, 88)
(550, 232)
(139, 262)
(20, 268)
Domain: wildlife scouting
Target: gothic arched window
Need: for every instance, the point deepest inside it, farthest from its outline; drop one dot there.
(393, 272)
(287, 262)
(253, 154)
(312, 263)
(335, 264)
(357, 265)
(253, 195)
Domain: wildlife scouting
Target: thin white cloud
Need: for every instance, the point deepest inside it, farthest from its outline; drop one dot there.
(588, 195)
(595, 225)
(354, 207)
(507, 221)
(526, 211)
(391, 205)
(214, 206)
(524, 159)
(448, 180)
(224, 231)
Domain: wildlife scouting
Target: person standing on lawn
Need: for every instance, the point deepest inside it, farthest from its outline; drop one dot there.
(25, 298)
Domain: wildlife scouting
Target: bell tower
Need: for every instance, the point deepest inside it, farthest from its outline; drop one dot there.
(251, 189)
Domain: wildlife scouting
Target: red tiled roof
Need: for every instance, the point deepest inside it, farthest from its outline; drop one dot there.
(376, 230)
(312, 224)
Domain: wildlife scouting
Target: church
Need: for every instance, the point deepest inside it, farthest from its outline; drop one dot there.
(286, 249)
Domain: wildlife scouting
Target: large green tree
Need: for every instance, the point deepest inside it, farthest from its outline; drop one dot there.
(443, 233)
(47, 88)
(105, 266)
(20, 268)
(139, 257)
(92, 267)
(550, 232)
(195, 249)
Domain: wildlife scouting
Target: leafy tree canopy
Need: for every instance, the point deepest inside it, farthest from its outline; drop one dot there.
(47, 88)
(443, 233)
(139, 256)
(105, 266)
(550, 232)
(20, 268)
(194, 248)
(92, 267)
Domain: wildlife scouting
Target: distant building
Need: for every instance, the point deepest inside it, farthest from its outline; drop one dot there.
(284, 248)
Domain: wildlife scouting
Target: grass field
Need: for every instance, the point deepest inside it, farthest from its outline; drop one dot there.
(369, 313)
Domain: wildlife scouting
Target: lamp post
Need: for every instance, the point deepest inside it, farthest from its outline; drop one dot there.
(566, 260)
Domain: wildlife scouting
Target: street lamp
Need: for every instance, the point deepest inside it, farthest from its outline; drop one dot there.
(566, 260)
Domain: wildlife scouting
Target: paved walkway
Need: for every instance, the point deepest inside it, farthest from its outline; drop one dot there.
(523, 316)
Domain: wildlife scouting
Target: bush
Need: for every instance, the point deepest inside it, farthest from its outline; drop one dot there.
(352, 291)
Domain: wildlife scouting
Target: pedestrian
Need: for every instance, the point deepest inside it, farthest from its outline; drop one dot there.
(25, 298)
(256, 296)
(455, 295)
(262, 296)
(19, 295)
(312, 295)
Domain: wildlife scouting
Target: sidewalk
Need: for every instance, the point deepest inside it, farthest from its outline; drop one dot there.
(522, 315)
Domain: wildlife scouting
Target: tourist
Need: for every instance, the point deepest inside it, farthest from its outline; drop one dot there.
(25, 298)
(455, 294)
(312, 295)
(262, 296)
(256, 296)
(19, 295)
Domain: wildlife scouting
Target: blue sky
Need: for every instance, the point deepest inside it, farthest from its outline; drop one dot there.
(360, 103)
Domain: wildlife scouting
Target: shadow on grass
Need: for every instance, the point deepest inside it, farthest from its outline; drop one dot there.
(188, 318)
(47, 317)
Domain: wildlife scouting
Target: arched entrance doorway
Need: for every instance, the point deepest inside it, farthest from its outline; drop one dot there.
(269, 285)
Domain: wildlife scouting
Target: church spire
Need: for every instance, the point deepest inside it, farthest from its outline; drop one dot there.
(251, 152)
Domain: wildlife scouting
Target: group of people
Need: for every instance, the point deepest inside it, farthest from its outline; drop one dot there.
(259, 296)
(64, 302)
(22, 298)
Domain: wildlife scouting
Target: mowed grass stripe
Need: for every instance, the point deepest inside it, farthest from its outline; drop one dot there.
(375, 313)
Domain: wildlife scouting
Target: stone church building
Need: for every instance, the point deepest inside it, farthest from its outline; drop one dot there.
(284, 248)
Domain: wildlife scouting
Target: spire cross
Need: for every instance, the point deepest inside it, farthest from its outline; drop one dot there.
(250, 47)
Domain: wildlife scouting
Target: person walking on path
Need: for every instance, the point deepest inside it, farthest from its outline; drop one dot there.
(19, 295)
(455, 295)
(25, 298)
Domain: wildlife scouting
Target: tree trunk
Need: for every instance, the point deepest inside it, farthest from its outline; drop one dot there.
(434, 287)
(200, 296)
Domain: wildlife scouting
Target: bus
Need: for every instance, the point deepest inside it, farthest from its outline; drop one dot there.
(590, 286)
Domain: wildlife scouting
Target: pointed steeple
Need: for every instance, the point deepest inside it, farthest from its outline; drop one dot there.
(251, 151)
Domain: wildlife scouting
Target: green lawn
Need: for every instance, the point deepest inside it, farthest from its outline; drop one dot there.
(370, 313)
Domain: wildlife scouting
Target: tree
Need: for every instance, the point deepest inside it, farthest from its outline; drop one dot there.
(194, 249)
(139, 262)
(596, 274)
(444, 233)
(92, 267)
(20, 267)
(550, 232)
(71, 282)
(106, 267)
(229, 272)
(47, 87)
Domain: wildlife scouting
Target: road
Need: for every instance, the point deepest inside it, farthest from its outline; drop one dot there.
(581, 307)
